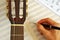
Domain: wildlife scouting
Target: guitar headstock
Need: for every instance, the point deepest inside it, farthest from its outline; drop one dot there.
(17, 16)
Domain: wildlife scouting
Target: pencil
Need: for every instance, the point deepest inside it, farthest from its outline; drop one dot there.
(51, 27)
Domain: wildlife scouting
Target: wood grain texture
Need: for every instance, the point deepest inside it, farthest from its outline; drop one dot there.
(15, 8)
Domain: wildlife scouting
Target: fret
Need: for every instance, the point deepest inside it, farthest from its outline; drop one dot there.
(17, 33)
(16, 29)
(17, 38)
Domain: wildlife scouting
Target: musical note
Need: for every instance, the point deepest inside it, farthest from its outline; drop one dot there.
(53, 5)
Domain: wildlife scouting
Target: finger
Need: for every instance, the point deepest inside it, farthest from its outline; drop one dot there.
(52, 30)
(42, 21)
(47, 20)
(40, 27)
(44, 31)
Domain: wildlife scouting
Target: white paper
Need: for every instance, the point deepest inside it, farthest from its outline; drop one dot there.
(5, 25)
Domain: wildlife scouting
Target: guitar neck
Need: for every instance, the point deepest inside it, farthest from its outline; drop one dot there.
(17, 28)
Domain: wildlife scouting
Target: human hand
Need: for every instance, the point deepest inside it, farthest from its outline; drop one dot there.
(49, 34)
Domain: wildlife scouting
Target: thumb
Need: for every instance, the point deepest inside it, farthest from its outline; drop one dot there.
(40, 27)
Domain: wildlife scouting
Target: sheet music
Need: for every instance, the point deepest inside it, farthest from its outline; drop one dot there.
(53, 5)
(37, 12)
